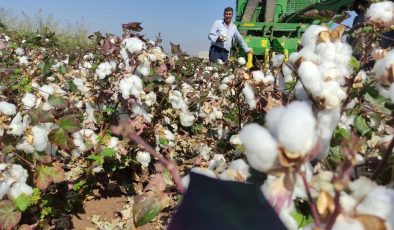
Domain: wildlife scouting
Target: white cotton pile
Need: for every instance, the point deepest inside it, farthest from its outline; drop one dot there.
(392, 92)
(258, 76)
(29, 100)
(46, 90)
(131, 85)
(84, 139)
(237, 170)
(17, 125)
(309, 38)
(25, 146)
(260, 147)
(295, 128)
(133, 45)
(89, 114)
(203, 150)
(13, 181)
(19, 51)
(170, 79)
(40, 137)
(23, 60)
(241, 60)
(7, 108)
(80, 83)
(249, 96)
(382, 66)
(143, 158)
(381, 13)
(327, 121)
(143, 69)
(311, 77)
(187, 118)
(105, 69)
(150, 98)
(140, 110)
(177, 101)
(332, 94)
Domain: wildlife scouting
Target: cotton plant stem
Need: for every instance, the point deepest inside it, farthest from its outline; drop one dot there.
(383, 162)
(168, 164)
(337, 210)
(312, 204)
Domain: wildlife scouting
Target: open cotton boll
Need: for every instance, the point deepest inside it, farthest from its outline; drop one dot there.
(29, 100)
(381, 67)
(177, 101)
(104, 69)
(260, 147)
(326, 51)
(297, 128)
(150, 98)
(272, 119)
(241, 60)
(235, 140)
(19, 188)
(311, 77)
(237, 170)
(203, 171)
(332, 94)
(25, 146)
(346, 223)
(203, 150)
(170, 79)
(140, 110)
(187, 118)
(309, 37)
(143, 69)
(131, 85)
(16, 125)
(381, 13)
(327, 122)
(343, 53)
(19, 51)
(18, 173)
(277, 60)
(361, 187)
(40, 137)
(249, 96)
(217, 163)
(89, 114)
(84, 139)
(46, 90)
(378, 202)
(23, 60)
(143, 158)
(7, 108)
(133, 45)
(5, 185)
(258, 76)
(80, 83)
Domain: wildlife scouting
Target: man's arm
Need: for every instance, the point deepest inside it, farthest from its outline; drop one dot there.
(241, 41)
(213, 36)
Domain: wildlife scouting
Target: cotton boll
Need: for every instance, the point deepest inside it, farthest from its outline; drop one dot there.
(238, 170)
(89, 114)
(29, 100)
(273, 118)
(347, 202)
(381, 13)
(378, 202)
(170, 79)
(342, 223)
(133, 45)
(258, 76)
(203, 171)
(204, 150)
(45, 91)
(177, 101)
(260, 148)
(40, 137)
(25, 146)
(187, 118)
(287, 73)
(131, 85)
(249, 96)
(150, 98)
(392, 92)
(277, 60)
(311, 77)
(18, 173)
(143, 158)
(7, 108)
(104, 69)
(309, 37)
(16, 125)
(140, 110)
(84, 139)
(235, 140)
(23, 60)
(343, 53)
(218, 163)
(326, 51)
(143, 69)
(241, 60)
(361, 187)
(19, 51)
(332, 94)
(4, 187)
(19, 188)
(381, 67)
(296, 129)
(81, 84)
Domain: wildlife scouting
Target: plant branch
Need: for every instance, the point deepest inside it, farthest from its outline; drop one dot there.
(312, 204)
(168, 164)
(383, 162)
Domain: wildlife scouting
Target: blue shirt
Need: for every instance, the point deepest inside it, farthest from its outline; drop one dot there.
(220, 27)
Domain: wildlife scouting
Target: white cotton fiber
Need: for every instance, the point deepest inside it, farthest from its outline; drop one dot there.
(143, 69)
(131, 86)
(143, 158)
(392, 92)
(84, 139)
(258, 76)
(16, 125)
(249, 96)
(187, 118)
(332, 94)
(272, 119)
(260, 147)
(311, 77)
(81, 84)
(241, 60)
(133, 45)
(29, 100)
(40, 137)
(7, 108)
(381, 13)
(309, 37)
(277, 60)
(46, 90)
(104, 69)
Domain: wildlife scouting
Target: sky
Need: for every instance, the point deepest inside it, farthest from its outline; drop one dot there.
(184, 22)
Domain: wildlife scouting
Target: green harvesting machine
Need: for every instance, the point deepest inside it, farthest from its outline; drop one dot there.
(276, 26)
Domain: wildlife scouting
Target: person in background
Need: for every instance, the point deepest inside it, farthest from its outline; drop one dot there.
(222, 35)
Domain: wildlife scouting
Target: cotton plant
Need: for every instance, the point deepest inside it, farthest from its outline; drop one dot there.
(13, 181)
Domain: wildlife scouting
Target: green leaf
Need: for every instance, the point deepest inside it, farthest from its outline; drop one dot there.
(73, 87)
(148, 206)
(60, 138)
(63, 69)
(108, 152)
(355, 64)
(339, 135)
(301, 219)
(9, 217)
(39, 116)
(96, 158)
(22, 202)
(56, 101)
(163, 141)
(71, 123)
(45, 175)
(232, 119)
(77, 186)
(376, 100)
(35, 197)
(361, 125)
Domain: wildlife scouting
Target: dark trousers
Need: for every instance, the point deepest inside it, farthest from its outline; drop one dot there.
(216, 53)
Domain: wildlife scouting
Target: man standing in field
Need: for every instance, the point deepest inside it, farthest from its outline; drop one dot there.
(221, 35)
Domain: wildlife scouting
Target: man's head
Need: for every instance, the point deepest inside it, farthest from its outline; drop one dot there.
(228, 15)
